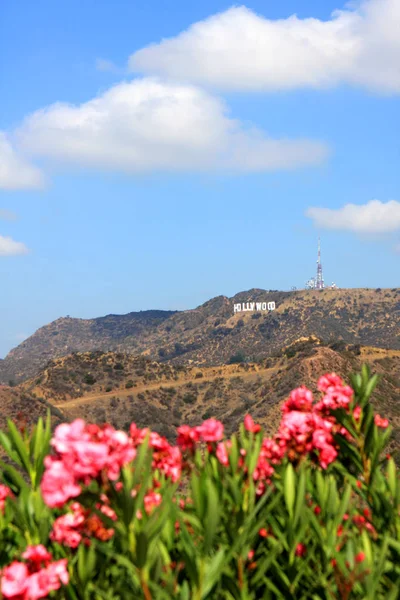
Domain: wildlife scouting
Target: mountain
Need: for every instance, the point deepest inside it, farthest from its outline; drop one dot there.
(213, 334)
(120, 388)
(66, 335)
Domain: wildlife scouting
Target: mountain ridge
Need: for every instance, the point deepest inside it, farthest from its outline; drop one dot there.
(211, 334)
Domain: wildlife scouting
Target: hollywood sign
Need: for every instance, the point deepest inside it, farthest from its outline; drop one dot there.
(251, 306)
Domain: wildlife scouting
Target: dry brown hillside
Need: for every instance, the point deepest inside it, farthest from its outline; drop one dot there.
(211, 334)
(120, 388)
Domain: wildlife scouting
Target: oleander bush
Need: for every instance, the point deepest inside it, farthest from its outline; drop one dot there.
(311, 513)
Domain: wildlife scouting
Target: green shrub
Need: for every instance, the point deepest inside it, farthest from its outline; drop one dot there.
(189, 398)
(89, 379)
(239, 357)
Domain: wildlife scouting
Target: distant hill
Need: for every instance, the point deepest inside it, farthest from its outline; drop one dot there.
(66, 335)
(213, 335)
(120, 388)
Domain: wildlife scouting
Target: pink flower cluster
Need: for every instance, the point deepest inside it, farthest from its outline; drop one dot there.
(307, 428)
(36, 577)
(83, 452)
(5, 493)
(303, 433)
(166, 458)
(209, 431)
(81, 524)
(380, 422)
(337, 395)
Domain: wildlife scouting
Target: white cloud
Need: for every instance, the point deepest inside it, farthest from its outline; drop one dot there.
(149, 125)
(373, 217)
(240, 50)
(8, 247)
(15, 172)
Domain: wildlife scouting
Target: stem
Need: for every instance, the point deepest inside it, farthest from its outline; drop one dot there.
(240, 572)
(145, 587)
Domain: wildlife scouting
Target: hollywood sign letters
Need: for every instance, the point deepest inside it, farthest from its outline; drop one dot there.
(251, 306)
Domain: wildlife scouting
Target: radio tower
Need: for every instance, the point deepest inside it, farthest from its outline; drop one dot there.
(319, 282)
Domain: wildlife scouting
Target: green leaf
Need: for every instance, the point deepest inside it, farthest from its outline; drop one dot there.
(11, 475)
(367, 548)
(212, 519)
(392, 477)
(142, 545)
(289, 488)
(371, 385)
(19, 445)
(86, 563)
(300, 497)
(213, 572)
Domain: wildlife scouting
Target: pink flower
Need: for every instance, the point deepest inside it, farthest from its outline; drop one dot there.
(87, 458)
(67, 528)
(166, 459)
(300, 399)
(263, 532)
(222, 452)
(84, 452)
(40, 584)
(58, 483)
(37, 554)
(13, 581)
(301, 550)
(329, 381)
(80, 524)
(187, 437)
(360, 557)
(151, 500)
(249, 425)
(58, 569)
(5, 493)
(107, 511)
(31, 581)
(357, 413)
(327, 455)
(337, 395)
(301, 433)
(379, 422)
(67, 433)
(211, 430)
(120, 451)
(272, 451)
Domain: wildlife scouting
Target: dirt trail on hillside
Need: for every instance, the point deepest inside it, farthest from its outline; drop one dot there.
(88, 399)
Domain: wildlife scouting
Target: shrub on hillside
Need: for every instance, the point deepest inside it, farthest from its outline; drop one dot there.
(311, 513)
(239, 357)
(89, 379)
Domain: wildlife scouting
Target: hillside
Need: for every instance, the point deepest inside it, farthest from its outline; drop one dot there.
(119, 388)
(211, 334)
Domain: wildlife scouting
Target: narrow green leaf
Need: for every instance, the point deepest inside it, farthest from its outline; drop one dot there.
(300, 497)
(212, 519)
(289, 488)
(142, 545)
(213, 572)
(19, 445)
(392, 477)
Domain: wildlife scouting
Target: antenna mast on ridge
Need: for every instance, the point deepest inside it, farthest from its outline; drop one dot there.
(319, 282)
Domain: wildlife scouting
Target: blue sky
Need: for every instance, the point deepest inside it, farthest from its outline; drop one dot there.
(202, 168)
